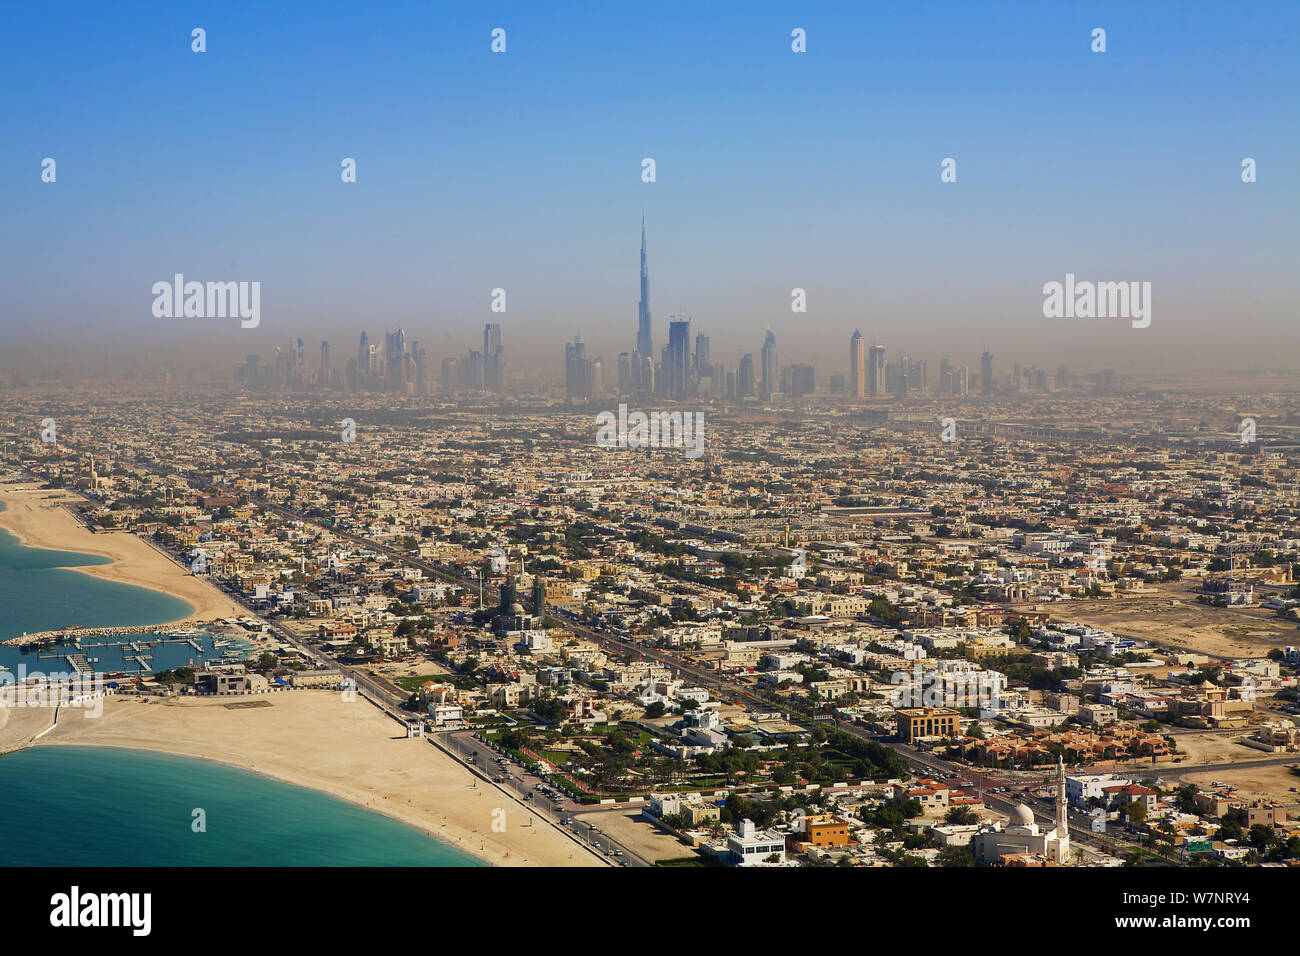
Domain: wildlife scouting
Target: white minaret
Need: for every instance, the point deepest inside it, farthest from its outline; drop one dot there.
(1062, 820)
(1062, 813)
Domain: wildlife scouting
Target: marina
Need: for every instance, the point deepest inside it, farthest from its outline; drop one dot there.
(94, 650)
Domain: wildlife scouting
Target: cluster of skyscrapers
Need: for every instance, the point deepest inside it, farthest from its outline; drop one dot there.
(398, 366)
(684, 369)
(483, 371)
(288, 370)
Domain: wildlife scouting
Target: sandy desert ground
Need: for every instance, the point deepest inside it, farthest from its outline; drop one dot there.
(1259, 783)
(1226, 632)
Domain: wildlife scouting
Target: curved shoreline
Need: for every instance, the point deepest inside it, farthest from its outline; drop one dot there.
(267, 775)
(130, 560)
(319, 741)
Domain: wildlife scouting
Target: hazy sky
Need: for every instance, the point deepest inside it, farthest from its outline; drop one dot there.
(775, 169)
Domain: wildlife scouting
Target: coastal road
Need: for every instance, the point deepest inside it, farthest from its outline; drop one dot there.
(559, 810)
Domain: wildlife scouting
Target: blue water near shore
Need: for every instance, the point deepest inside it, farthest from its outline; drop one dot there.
(88, 806)
(93, 806)
(36, 594)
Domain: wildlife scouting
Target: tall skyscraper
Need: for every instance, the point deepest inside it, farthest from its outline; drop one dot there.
(986, 373)
(624, 375)
(324, 364)
(702, 354)
(420, 381)
(857, 366)
(771, 381)
(745, 377)
(677, 359)
(365, 363)
(916, 376)
(876, 371)
(399, 364)
(539, 596)
(575, 370)
(644, 339)
(494, 358)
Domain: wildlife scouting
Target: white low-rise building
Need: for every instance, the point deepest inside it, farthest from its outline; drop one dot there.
(753, 847)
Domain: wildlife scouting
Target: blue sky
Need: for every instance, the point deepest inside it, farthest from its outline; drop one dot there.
(775, 170)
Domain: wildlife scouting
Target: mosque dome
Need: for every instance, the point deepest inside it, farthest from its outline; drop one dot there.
(1022, 816)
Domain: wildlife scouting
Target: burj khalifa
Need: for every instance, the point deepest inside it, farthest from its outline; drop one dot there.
(643, 357)
(644, 343)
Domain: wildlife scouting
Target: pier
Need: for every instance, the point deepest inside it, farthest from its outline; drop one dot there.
(76, 632)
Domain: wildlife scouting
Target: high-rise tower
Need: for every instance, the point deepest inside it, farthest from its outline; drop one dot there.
(644, 340)
(771, 385)
(876, 371)
(857, 367)
(677, 363)
(494, 358)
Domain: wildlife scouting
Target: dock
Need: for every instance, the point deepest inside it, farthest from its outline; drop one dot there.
(76, 632)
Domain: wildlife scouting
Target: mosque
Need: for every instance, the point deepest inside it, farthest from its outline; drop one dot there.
(1021, 836)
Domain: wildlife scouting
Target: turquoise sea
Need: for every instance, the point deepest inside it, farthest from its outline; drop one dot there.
(36, 594)
(93, 806)
(88, 806)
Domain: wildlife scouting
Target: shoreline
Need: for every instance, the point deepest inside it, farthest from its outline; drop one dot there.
(265, 775)
(29, 517)
(318, 741)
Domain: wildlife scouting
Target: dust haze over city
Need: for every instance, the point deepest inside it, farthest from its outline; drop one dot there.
(541, 435)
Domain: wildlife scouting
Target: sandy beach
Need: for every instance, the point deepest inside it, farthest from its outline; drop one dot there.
(316, 739)
(34, 515)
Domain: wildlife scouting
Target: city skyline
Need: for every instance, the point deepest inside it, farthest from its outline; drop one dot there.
(1122, 166)
(866, 371)
(930, 500)
(680, 373)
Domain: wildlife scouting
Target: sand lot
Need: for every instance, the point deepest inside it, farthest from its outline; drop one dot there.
(1226, 632)
(639, 835)
(1262, 783)
(1217, 748)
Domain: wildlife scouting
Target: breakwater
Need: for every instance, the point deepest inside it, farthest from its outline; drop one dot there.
(76, 632)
